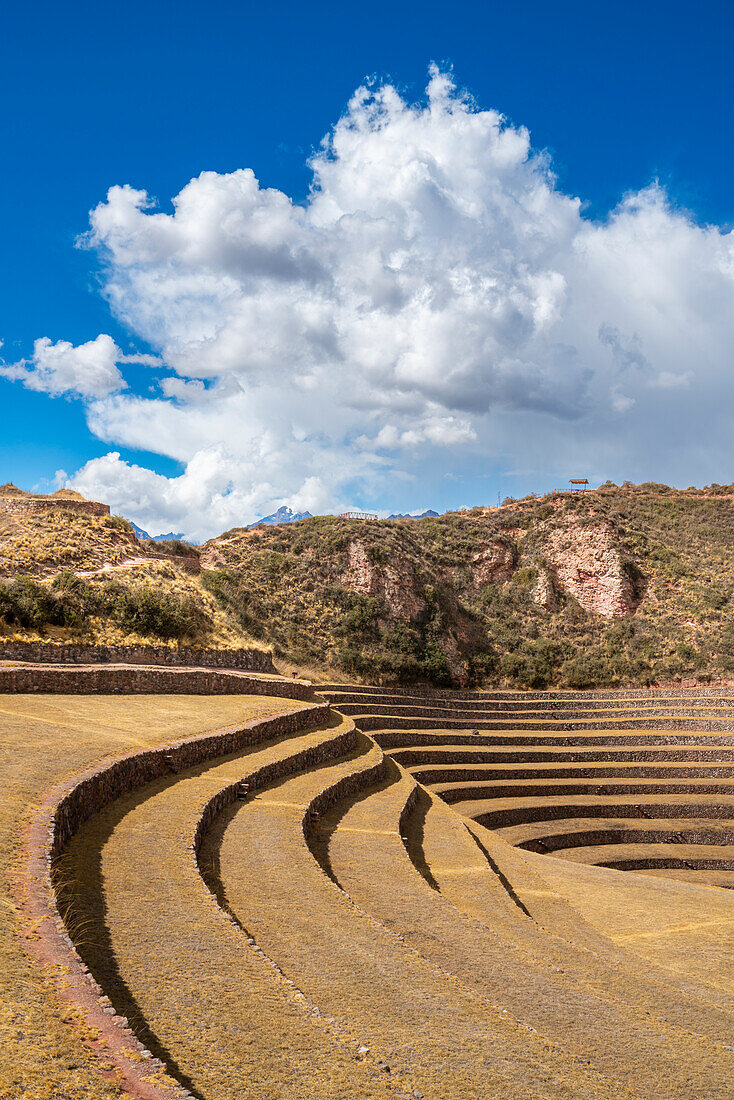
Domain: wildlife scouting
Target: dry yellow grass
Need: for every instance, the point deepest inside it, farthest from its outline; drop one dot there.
(42, 543)
(101, 549)
(44, 740)
(217, 630)
(449, 964)
(684, 927)
(199, 996)
(577, 1005)
(438, 1035)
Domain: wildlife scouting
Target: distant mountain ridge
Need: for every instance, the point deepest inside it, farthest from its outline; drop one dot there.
(141, 534)
(428, 514)
(283, 515)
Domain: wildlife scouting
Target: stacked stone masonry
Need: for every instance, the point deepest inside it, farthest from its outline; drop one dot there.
(121, 680)
(104, 785)
(247, 660)
(584, 1016)
(629, 779)
(22, 505)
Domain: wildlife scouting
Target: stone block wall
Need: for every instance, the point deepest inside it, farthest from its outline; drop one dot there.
(116, 680)
(687, 725)
(102, 786)
(61, 815)
(261, 777)
(16, 506)
(248, 660)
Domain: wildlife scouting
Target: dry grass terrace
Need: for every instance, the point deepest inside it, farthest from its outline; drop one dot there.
(45, 740)
(345, 933)
(224, 1021)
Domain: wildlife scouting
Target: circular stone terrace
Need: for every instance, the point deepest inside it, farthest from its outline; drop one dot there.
(368, 892)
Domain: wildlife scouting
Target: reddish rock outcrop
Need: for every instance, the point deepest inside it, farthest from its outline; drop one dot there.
(587, 564)
(493, 564)
(394, 583)
(543, 592)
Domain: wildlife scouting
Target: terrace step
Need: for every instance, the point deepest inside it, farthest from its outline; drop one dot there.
(643, 855)
(365, 975)
(547, 836)
(482, 712)
(524, 697)
(681, 927)
(224, 1022)
(484, 747)
(695, 877)
(432, 774)
(488, 790)
(371, 863)
(470, 874)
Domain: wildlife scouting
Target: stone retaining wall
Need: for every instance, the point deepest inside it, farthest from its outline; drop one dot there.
(524, 815)
(711, 706)
(393, 723)
(421, 692)
(97, 789)
(21, 505)
(407, 810)
(483, 717)
(261, 777)
(121, 680)
(489, 793)
(698, 834)
(431, 776)
(670, 863)
(249, 660)
(477, 749)
(634, 753)
(62, 812)
(353, 783)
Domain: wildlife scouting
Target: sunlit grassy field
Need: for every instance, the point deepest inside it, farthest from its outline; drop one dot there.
(45, 740)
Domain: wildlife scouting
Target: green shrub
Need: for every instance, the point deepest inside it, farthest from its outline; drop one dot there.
(525, 576)
(174, 547)
(435, 665)
(360, 621)
(533, 664)
(121, 524)
(27, 603)
(148, 611)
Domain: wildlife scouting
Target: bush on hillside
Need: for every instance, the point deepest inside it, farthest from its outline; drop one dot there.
(174, 547)
(121, 524)
(148, 611)
(69, 601)
(26, 603)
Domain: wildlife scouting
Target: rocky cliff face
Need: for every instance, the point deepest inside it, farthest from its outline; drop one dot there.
(493, 564)
(587, 563)
(395, 583)
(622, 585)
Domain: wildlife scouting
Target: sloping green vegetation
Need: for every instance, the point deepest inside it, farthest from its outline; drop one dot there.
(69, 601)
(457, 599)
(149, 603)
(70, 576)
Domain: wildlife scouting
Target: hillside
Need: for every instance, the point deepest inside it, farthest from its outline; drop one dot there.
(81, 575)
(627, 585)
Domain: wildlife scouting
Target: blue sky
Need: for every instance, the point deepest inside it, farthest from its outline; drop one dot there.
(618, 94)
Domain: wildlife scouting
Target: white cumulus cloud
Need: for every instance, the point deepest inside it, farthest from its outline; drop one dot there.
(87, 370)
(435, 294)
